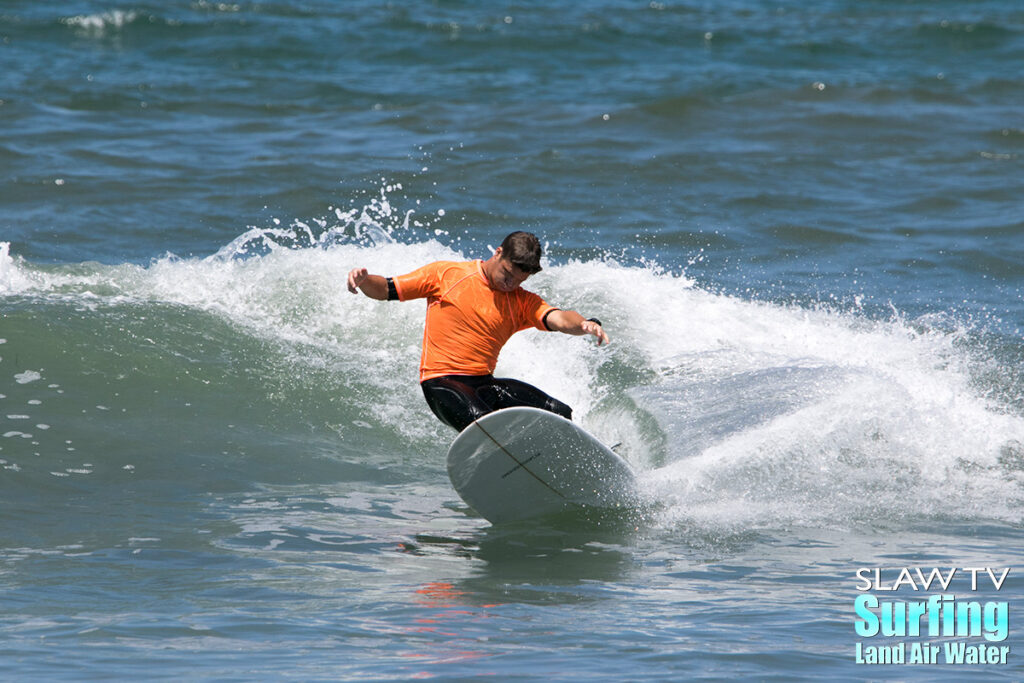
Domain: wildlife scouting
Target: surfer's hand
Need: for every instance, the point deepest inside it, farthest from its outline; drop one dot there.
(355, 278)
(571, 322)
(594, 328)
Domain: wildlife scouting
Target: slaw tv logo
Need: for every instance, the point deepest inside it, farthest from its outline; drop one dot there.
(939, 626)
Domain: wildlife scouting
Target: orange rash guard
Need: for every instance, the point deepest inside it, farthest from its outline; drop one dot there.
(467, 321)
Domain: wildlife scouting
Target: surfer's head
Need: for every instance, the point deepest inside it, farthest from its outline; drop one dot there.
(522, 249)
(516, 259)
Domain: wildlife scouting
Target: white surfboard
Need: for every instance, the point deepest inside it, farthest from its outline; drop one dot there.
(518, 463)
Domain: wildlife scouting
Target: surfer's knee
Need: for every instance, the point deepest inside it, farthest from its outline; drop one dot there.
(515, 392)
(558, 408)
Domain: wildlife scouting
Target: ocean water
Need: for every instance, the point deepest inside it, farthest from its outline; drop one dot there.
(800, 222)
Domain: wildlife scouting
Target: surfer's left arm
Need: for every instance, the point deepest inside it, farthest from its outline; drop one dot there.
(571, 322)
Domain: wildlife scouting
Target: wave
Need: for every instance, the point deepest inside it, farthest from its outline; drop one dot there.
(736, 412)
(99, 24)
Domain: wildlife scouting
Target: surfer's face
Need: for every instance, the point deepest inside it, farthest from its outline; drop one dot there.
(504, 275)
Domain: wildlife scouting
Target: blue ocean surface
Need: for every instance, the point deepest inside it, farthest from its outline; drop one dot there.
(801, 224)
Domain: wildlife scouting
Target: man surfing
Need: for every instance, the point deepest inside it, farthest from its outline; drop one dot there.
(473, 308)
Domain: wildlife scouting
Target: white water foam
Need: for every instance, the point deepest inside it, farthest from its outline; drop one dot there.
(13, 278)
(98, 24)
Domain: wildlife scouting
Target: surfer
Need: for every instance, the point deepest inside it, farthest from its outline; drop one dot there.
(473, 308)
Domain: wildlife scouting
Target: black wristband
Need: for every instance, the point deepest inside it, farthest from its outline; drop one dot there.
(392, 291)
(595, 320)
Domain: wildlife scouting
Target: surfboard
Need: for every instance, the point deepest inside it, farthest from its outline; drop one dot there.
(518, 463)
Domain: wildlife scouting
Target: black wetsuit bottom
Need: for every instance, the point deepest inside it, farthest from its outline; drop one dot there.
(457, 400)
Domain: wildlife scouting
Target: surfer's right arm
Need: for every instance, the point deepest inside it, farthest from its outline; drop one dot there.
(374, 286)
